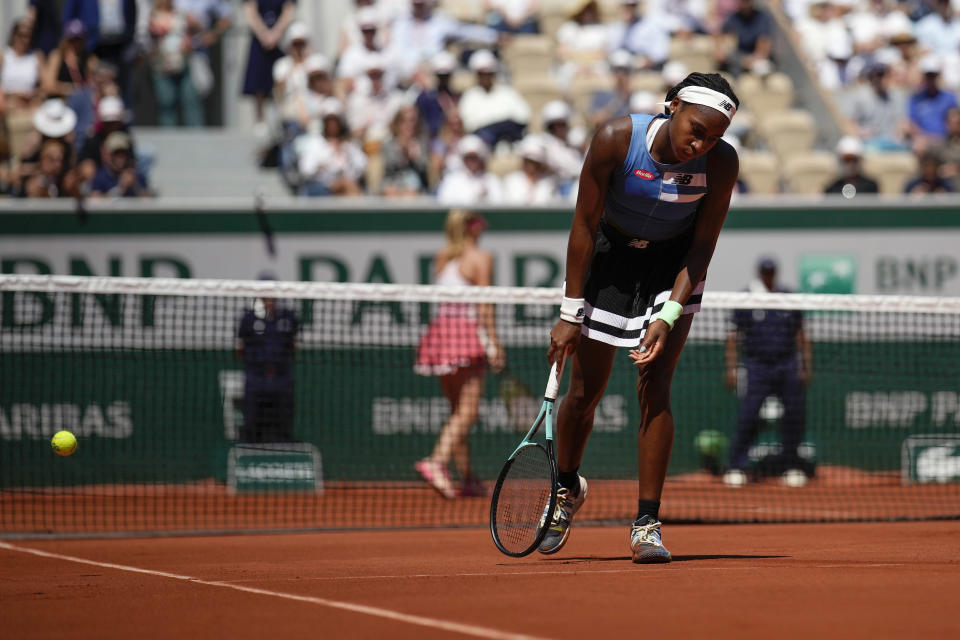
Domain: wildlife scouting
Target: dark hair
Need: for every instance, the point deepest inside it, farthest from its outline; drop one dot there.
(713, 81)
(13, 32)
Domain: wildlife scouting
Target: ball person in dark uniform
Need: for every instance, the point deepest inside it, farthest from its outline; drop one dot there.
(774, 360)
(266, 344)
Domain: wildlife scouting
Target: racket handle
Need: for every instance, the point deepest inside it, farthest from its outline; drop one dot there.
(553, 382)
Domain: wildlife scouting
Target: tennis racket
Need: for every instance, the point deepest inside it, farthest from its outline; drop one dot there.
(519, 401)
(526, 491)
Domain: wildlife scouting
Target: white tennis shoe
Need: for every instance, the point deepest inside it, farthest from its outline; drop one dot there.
(567, 507)
(646, 543)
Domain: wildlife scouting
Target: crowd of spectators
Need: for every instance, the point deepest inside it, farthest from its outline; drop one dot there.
(418, 102)
(895, 69)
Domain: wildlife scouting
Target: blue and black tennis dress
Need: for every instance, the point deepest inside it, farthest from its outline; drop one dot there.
(646, 230)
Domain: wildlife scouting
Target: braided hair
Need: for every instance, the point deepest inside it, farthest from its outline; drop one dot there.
(713, 81)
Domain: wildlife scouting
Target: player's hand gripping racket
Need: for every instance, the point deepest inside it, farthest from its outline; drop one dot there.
(526, 491)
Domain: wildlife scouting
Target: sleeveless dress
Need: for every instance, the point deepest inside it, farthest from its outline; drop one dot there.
(452, 340)
(649, 216)
(259, 74)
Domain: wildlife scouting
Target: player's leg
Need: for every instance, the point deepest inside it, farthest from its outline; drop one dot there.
(590, 368)
(469, 404)
(654, 443)
(462, 390)
(794, 398)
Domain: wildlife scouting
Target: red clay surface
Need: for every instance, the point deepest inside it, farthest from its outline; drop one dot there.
(893, 580)
(836, 494)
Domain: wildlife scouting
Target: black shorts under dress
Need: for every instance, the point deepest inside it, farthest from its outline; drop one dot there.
(629, 280)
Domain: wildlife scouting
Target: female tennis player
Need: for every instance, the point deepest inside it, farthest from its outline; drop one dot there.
(654, 193)
(457, 346)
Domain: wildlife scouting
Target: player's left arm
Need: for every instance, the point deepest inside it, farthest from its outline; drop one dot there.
(723, 167)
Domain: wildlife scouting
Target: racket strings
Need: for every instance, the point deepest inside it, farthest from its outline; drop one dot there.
(523, 499)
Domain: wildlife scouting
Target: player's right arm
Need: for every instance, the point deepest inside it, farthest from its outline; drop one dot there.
(606, 153)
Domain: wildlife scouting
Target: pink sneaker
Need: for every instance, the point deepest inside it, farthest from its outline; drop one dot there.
(437, 476)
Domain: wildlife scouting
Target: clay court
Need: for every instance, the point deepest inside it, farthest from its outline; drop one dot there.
(727, 581)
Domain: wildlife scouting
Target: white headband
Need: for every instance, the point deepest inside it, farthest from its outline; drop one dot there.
(708, 98)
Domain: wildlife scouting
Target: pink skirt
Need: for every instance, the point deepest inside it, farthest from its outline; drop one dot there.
(451, 342)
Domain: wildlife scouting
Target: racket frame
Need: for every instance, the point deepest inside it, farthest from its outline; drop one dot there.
(545, 419)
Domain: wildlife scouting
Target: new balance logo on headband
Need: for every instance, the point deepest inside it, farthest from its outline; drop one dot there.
(726, 105)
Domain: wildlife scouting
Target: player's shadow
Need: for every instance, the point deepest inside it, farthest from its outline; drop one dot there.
(686, 558)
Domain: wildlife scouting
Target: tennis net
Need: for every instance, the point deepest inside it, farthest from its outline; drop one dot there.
(204, 405)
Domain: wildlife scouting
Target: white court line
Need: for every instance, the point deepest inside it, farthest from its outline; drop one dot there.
(456, 627)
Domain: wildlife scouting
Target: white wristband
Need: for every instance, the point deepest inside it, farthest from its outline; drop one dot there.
(571, 310)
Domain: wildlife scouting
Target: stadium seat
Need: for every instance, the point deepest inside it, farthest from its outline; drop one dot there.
(528, 54)
(760, 170)
(768, 95)
(583, 88)
(697, 52)
(500, 164)
(537, 90)
(552, 15)
(891, 169)
(787, 132)
(464, 10)
(808, 172)
(650, 81)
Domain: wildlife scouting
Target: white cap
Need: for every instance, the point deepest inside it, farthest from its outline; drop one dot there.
(316, 62)
(331, 107)
(930, 63)
(484, 60)
(443, 62)
(850, 146)
(111, 109)
(555, 111)
(674, 71)
(472, 144)
(368, 17)
(533, 148)
(297, 31)
(620, 59)
(644, 102)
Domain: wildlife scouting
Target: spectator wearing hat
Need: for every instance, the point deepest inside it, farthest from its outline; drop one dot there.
(492, 110)
(826, 41)
(767, 353)
(351, 34)
(513, 16)
(471, 183)
(644, 37)
(373, 104)
(532, 184)
(849, 156)
(352, 65)
(405, 155)
(423, 32)
(319, 74)
(268, 21)
(877, 111)
(582, 42)
(53, 121)
(436, 103)
(110, 34)
(607, 104)
(752, 28)
(565, 160)
(111, 116)
(928, 107)
(20, 69)
(289, 72)
(330, 163)
(118, 177)
(171, 47)
(930, 179)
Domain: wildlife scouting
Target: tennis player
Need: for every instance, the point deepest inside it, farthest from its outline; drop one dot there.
(654, 193)
(459, 344)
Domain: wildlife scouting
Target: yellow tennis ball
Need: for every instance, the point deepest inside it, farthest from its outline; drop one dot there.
(64, 443)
